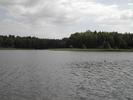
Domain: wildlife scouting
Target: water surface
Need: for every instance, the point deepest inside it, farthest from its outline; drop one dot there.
(65, 75)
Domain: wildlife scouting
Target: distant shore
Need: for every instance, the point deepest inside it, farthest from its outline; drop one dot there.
(74, 49)
(91, 50)
(16, 49)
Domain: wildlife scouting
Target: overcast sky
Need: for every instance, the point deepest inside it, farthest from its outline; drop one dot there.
(60, 18)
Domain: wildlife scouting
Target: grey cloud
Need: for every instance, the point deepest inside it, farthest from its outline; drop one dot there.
(118, 2)
(64, 16)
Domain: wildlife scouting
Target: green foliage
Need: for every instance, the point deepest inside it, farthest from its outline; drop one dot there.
(30, 42)
(106, 45)
(84, 40)
(100, 39)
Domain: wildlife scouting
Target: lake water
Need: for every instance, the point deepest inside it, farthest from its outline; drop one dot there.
(65, 75)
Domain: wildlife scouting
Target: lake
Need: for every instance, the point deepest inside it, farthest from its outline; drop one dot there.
(65, 75)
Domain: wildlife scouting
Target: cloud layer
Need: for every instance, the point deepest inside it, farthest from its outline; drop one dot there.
(60, 18)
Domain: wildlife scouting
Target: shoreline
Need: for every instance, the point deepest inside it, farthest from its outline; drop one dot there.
(93, 50)
(74, 49)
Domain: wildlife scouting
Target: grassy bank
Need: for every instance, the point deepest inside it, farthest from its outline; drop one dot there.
(95, 50)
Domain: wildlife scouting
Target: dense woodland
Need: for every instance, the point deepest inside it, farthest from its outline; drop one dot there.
(86, 39)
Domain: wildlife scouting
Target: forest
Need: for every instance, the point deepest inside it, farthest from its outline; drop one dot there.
(88, 39)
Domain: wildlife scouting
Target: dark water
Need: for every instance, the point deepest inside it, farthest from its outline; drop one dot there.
(65, 75)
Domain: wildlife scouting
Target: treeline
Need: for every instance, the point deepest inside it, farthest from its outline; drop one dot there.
(96, 39)
(86, 39)
(12, 41)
